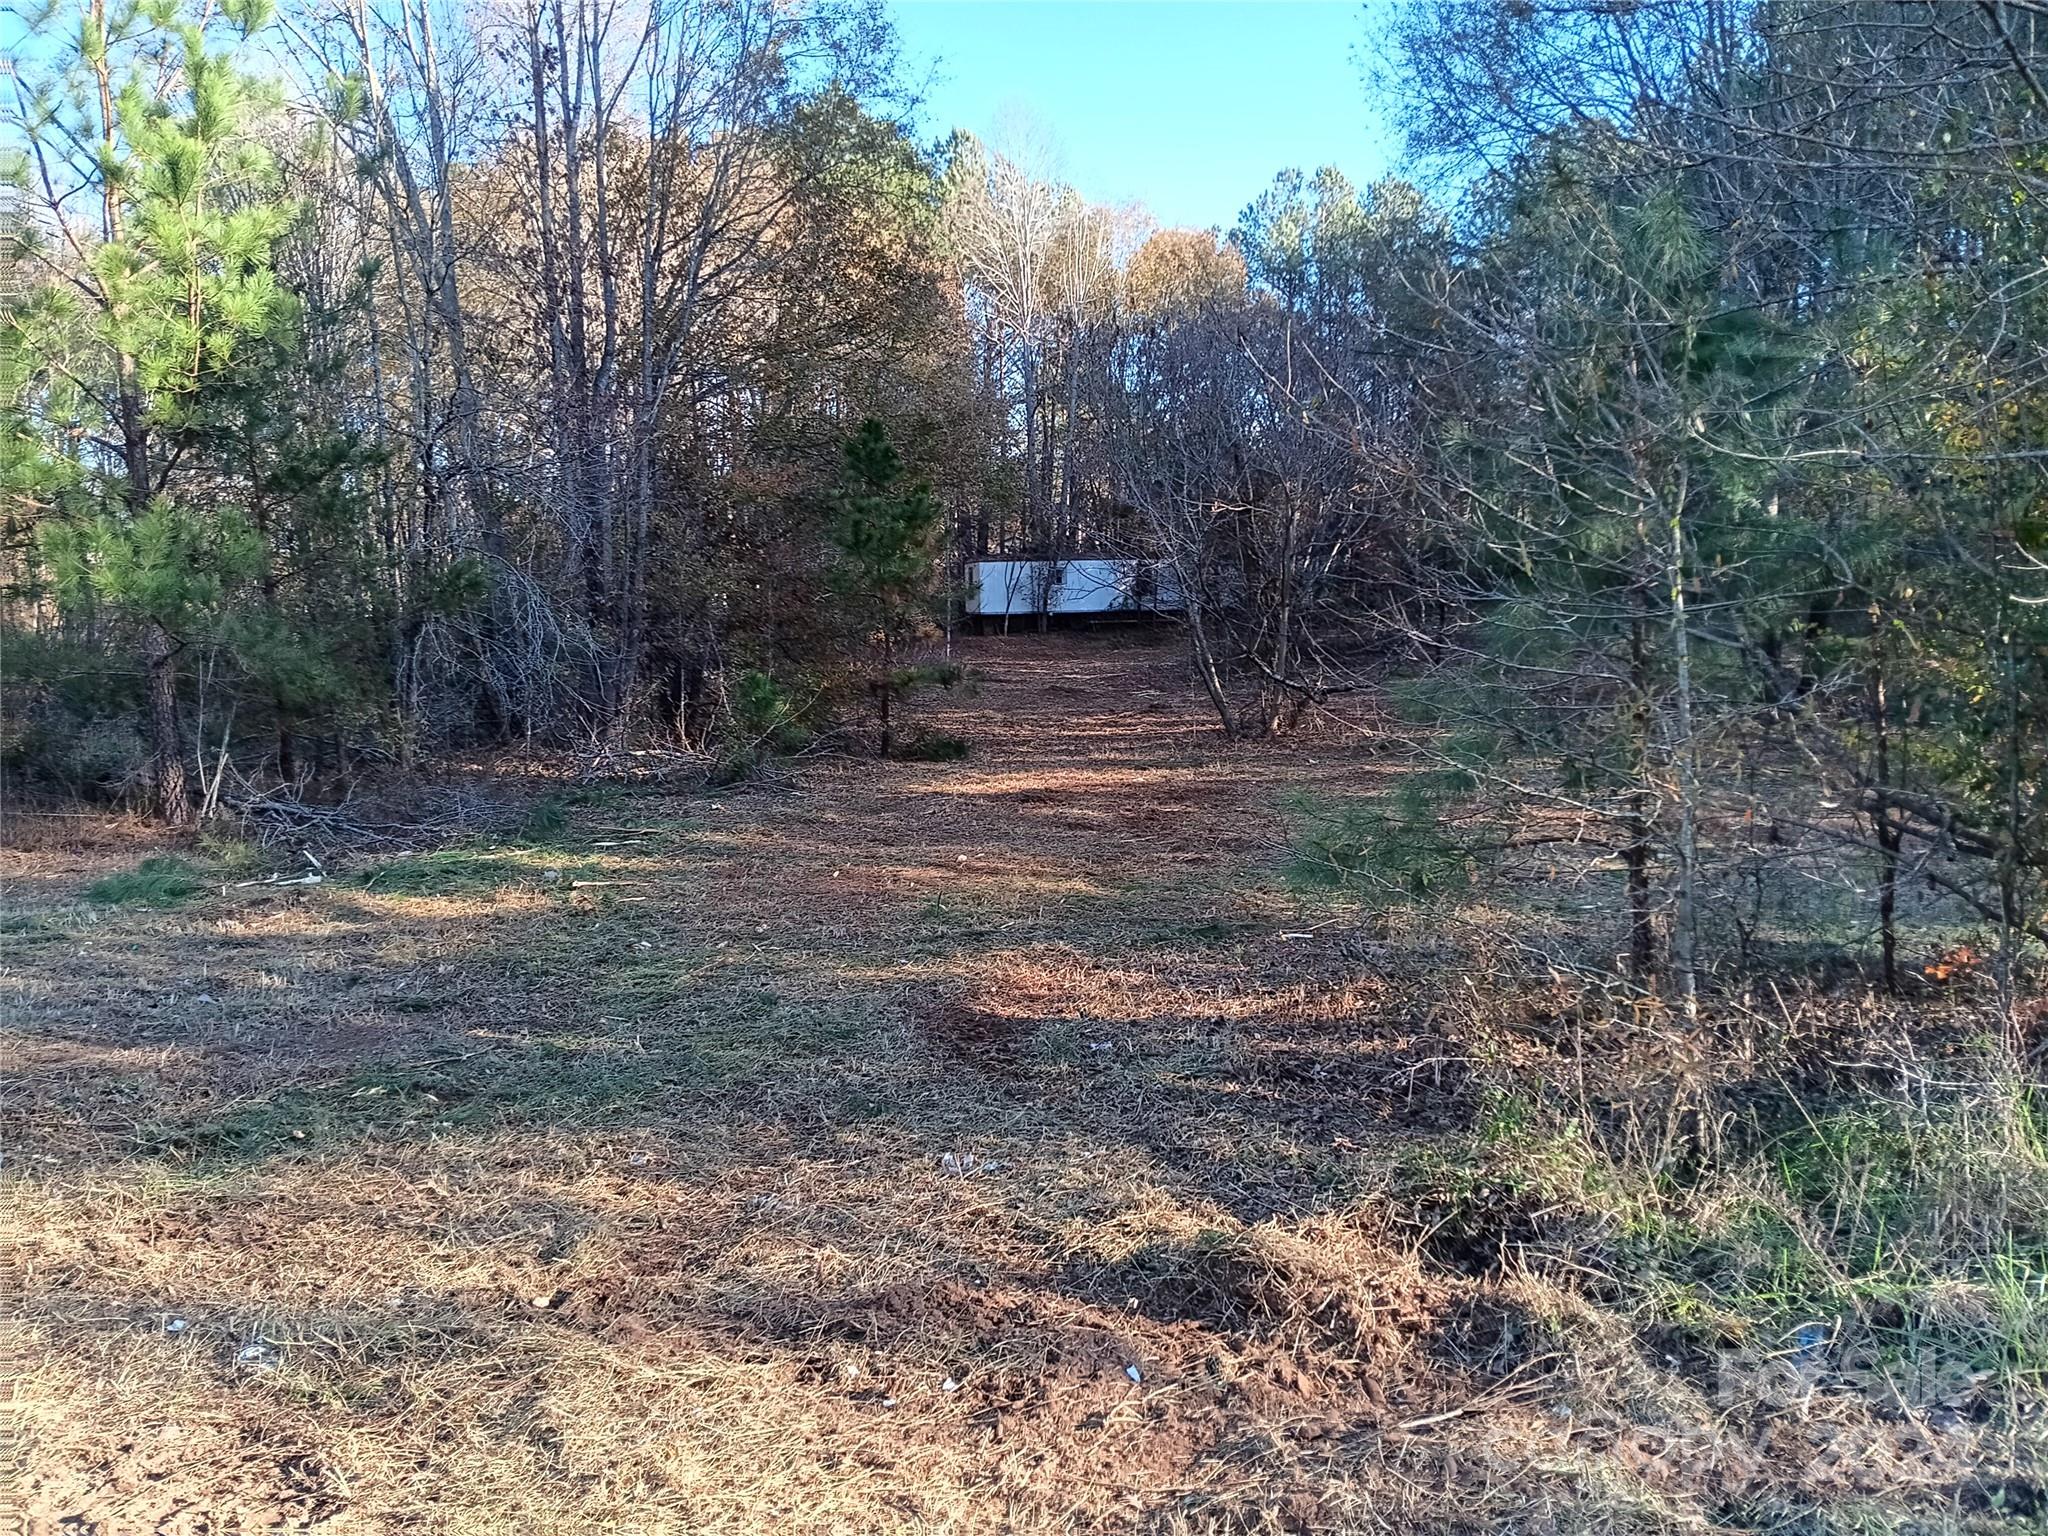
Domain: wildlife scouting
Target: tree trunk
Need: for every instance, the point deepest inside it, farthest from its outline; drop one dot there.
(1073, 434)
(1275, 714)
(1033, 522)
(1888, 837)
(1636, 853)
(1205, 662)
(1685, 919)
(2012, 926)
(170, 785)
(885, 687)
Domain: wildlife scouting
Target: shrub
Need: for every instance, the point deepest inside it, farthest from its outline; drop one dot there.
(1756, 1212)
(96, 758)
(233, 855)
(733, 765)
(929, 674)
(546, 822)
(933, 747)
(762, 711)
(68, 722)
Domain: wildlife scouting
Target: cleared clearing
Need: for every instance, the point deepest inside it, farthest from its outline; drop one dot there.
(983, 1146)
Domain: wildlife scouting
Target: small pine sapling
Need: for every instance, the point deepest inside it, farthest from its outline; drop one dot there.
(886, 531)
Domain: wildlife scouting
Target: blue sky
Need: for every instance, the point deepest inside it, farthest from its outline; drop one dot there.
(1189, 106)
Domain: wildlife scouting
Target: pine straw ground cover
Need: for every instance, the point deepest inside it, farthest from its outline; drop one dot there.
(984, 1146)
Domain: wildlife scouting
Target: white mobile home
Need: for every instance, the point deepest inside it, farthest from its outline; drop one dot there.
(1010, 588)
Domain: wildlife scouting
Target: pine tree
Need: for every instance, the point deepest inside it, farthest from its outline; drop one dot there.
(149, 313)
(1607, 521)
(887, 535)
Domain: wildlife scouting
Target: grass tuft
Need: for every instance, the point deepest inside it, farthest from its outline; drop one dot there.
(161, 881)
(469, 872)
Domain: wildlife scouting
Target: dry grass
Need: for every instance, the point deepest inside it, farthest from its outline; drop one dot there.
(984, 1146)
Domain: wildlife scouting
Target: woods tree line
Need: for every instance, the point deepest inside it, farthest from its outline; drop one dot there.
(389, 377)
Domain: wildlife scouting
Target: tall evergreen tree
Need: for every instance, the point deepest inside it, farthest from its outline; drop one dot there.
(151, 309)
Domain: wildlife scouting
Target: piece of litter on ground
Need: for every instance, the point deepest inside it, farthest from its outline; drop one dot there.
(949, 1385)
(1811, 1337)
(888, 1402)
(175, 1325)
(644, 944)
(1101, 1045)
(257, 1355)
(1134, 1373)
(639, 1159)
